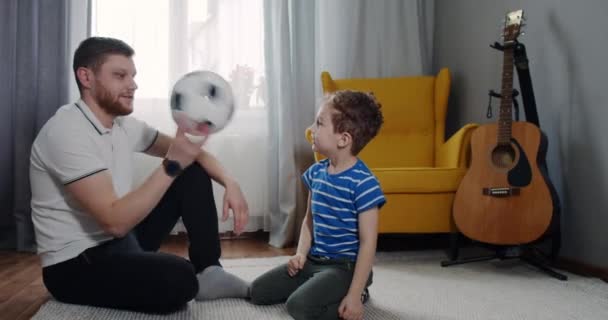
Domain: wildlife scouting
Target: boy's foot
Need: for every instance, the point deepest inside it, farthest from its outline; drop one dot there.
(365, 296)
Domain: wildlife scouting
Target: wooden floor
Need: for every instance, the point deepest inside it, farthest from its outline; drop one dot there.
(22, 291)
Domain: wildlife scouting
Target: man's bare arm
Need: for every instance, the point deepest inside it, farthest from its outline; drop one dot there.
(160, 146)
(116, 215)
(213, 167)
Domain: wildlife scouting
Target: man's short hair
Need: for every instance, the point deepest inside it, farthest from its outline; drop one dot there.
(93, 51)
(357, 113)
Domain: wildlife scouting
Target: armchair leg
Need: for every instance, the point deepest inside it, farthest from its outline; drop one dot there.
(454, 246)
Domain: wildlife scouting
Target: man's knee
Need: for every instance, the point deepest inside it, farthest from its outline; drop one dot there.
(181, 287)
(194, 177)
(184, 278)
(196, 172)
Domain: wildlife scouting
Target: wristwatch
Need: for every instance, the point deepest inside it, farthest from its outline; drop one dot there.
(172, 167)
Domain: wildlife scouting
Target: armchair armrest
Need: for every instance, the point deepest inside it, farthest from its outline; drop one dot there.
(454, 152)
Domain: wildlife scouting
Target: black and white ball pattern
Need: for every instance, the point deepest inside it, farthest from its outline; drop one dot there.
(202, 99)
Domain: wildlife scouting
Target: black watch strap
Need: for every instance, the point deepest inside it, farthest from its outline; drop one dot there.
(172, 167)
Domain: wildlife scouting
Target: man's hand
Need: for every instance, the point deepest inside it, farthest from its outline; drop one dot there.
(183, 150)
(295, 264)
(351, 308)
(234, 199)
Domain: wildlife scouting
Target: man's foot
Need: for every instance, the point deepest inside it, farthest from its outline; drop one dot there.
(214, 283)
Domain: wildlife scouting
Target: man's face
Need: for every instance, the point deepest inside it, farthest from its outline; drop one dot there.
(114, 85)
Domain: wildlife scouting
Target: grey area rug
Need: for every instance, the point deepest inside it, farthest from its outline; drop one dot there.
(408, 285)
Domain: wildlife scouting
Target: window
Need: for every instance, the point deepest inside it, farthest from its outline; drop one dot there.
(172, 38)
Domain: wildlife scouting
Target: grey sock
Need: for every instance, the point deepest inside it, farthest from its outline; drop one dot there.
(214, 283)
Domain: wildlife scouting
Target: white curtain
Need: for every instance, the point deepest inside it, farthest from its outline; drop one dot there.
(348, 38)
(172, 38)
(386, 38)
(290, 60)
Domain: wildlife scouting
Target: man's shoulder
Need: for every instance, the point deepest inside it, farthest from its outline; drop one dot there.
(66, 123)
(124, 120)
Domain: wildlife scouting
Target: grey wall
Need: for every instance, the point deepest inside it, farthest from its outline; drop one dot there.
(567, 44)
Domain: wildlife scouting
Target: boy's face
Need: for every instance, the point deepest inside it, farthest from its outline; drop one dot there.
(114, 85)
(325, 140)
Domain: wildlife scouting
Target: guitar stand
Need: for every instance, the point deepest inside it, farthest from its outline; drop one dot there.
(527, 253)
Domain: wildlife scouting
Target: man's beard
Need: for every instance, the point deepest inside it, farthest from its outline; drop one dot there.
(110, 103)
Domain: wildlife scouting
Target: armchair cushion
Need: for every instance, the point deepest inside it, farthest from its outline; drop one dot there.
(419, 179)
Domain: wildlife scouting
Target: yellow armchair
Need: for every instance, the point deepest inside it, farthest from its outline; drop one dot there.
(419, 171)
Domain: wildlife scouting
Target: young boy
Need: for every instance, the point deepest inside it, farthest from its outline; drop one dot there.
(328, 276)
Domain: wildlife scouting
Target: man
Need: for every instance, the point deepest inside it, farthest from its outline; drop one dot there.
(96, 234)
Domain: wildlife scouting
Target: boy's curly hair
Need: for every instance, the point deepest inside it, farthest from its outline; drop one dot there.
(357, 113)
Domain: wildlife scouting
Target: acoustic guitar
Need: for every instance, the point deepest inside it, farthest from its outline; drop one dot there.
(504, 198)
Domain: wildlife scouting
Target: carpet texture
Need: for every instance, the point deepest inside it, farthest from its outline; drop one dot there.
(408, 285)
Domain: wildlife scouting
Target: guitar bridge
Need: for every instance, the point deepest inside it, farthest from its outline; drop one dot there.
(500, 192)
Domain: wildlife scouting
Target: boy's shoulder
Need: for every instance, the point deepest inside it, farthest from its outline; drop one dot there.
(319, 165)
(314, 170)
(361, 168)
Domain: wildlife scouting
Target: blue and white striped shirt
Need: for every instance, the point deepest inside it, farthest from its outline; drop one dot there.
(336, 202)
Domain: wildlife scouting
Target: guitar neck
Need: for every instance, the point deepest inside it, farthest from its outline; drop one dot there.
(505, 116)
(513, 22)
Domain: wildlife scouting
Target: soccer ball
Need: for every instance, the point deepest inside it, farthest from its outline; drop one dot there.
(202, 102)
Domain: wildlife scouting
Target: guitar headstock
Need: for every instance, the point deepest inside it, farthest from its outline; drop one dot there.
(513, 25)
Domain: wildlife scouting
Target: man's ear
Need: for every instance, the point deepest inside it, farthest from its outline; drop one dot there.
(345, 140)
(85, 76)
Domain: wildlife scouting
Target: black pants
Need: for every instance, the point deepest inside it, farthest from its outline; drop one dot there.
(127, 273)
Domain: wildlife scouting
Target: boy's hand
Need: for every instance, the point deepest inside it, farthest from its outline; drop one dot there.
(351, 308)
(295, 264)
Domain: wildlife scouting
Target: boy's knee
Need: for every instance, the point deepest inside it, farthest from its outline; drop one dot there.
(300, 310)
(258, 293)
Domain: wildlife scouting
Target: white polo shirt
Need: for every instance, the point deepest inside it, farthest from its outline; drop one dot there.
(73, 145)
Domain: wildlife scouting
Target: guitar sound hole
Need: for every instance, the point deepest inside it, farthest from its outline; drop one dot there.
(503, 156)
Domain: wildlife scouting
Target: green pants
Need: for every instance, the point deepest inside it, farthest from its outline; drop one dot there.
(314, 293)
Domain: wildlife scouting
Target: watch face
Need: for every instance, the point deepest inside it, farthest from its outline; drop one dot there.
(172, 167)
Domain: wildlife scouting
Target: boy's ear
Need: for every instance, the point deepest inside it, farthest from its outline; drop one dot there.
(345, 140)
